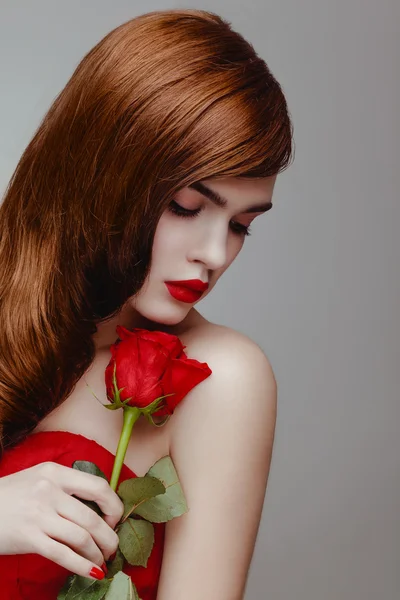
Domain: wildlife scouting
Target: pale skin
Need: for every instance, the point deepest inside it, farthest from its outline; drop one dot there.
(220, 437)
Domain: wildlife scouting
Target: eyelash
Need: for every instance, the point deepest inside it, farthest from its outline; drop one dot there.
(177, 209)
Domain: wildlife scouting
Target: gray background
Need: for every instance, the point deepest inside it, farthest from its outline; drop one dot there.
(317, 283)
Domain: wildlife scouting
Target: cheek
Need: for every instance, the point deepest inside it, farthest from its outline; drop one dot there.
(169, 239)
(158, 242)
(162, 236)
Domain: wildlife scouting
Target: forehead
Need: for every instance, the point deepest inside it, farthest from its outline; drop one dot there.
(238, 187)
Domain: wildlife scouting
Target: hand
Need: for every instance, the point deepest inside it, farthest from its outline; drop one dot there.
(39, 514)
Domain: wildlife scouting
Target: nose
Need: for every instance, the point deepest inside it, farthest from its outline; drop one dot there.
(210, 248)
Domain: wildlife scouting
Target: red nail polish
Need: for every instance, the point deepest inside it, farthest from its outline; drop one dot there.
(96, 573)
(104, 567)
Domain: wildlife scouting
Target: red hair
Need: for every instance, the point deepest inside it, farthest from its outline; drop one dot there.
(165, 99)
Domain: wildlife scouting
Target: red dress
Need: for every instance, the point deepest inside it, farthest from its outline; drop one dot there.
(33, 577)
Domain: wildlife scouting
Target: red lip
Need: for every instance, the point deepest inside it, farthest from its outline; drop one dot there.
(183, 293)
(193, 284)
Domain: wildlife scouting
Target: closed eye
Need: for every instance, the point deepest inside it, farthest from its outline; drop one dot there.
(177, 209)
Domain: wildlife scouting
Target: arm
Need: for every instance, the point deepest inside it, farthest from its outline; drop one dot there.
(221, 444)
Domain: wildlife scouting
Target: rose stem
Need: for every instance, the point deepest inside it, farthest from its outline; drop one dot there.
(131, 415)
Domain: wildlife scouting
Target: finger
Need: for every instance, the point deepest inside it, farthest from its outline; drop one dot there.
(78, 539)
(75, 511)
(90, 487)
(64, 556)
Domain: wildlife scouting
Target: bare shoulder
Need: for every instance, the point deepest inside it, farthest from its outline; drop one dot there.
(220, 440)
(242, 380)
(229, 351)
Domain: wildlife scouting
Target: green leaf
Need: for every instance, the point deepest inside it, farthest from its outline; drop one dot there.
(111, 406)
(116, 565)
(62, 594)
(137, 490)
(122, 588)
(161, 423)
(155, 405)
(164, 507)
(91, 468)
(136, 540)
(84, 587)
(88, 467)
(117, 404)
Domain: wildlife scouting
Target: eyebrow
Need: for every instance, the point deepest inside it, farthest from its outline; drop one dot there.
(221, 201)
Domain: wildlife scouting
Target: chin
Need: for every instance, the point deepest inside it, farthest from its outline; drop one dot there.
(171, 319)
(165, 315)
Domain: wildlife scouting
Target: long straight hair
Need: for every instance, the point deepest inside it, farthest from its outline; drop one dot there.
(166, 99)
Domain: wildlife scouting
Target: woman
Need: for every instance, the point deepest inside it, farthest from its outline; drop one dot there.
(148, 168)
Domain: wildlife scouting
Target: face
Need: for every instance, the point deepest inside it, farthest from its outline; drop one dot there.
(198, 237)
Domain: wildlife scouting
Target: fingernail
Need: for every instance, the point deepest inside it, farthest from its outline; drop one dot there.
(113, 555)
(97, 573)
(104, 567)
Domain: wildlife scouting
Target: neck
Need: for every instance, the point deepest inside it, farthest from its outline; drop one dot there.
(129, 318)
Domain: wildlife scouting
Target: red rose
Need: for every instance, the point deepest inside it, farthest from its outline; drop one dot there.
(151, 364)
